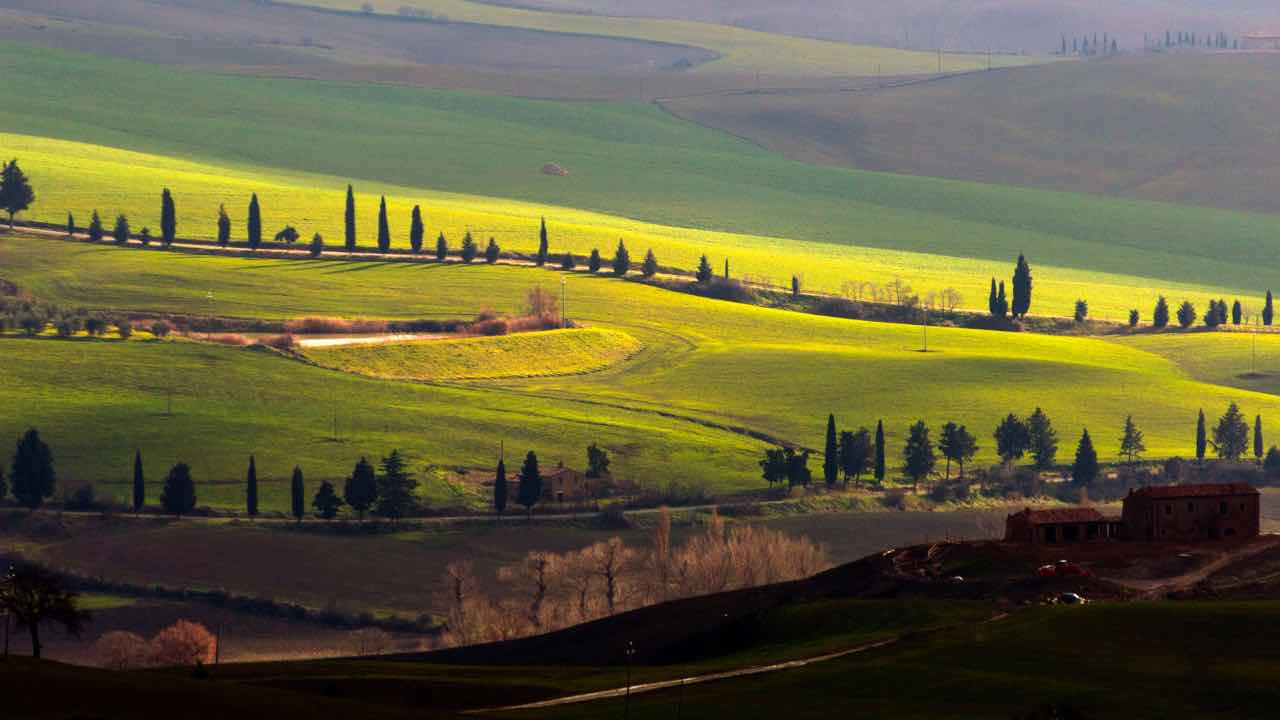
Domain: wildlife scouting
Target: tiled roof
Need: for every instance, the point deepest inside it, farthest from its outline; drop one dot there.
(1062, 515)
(1167, 492)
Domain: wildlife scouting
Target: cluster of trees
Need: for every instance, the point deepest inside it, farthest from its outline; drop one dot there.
(546, 591)
(1219, 40)
(1090, 46)
(529, 482)
(1218, 313)
(998, 302)
(182, 644)
(1230, 437)
(32, 318)
(899, 292)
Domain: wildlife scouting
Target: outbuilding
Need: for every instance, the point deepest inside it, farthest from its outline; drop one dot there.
(1186, 513)
(1059, 525)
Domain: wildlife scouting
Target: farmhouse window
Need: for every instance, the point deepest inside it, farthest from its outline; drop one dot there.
(1168, 509)
(1223, 508)
(1191, 507)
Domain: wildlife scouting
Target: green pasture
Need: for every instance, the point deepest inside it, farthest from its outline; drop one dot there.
(1248, 358)
(627, 160)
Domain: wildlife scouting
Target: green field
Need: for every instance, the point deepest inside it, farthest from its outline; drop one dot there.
(628, 160)
(709, 372)
(541, 354)
(1248, 360)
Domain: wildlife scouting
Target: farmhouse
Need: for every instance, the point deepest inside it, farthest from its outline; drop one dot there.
(1192, 512)
(1260, 41)
(564, 484)
(1064, 525)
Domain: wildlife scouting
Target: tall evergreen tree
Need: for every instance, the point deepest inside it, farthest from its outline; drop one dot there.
(349, 220)
(1021, 288)
(621, 260)
(96, 231)
(71, 225)
(1044, 440)
(442, 248)
(139, 483)
(1237, 313)
(1085, 468)
(1257, 438)
(251, 489)
(595, 261)
(254, 226)
(469, 249)
(831, 454)
(178, 496)
(397, 488)
(121, 232)
(530, 490)
(918, 459)
(327, 504)
(1002, 302)
(1186, 314)
(31, 476)
(297, 493)
(168, 219)
(1231, 435)
(416, 230)
(1268, 311)
(384, 230)
(500, 487)
(650, 265)
(704, 270)
(1202, 440)
(492, 252)
(362, 488)
(993, 302)
(1013, 438)
(1160, 317)
(16, 194)
(1131, 443)
(224, 226)
(542, 243)
(880, 458)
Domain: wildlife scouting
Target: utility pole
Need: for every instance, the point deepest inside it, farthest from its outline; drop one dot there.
(564, 321)
(925, 342)
(631, 651)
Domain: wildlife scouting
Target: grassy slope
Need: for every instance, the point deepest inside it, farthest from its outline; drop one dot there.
(742, 50)
(558, 352)
(624, 159)
(718, 362)
(1103, 661)
(1236, 359)
(1187, 129)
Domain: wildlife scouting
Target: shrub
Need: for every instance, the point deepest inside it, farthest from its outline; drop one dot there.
(31, 323)
(184, 643)
(317, 245)
(334, 326)
(279, 342)
(234, 339)
(491, 327)
(67, 325)
(838, 307)
(124, 329)
(95, 325)
(82, 499)
(161, 328)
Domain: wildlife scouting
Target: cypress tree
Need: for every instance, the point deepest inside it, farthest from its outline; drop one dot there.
(880, 462)
(296, 492)
(1044, 439)
(621, 260)
(1268, 311)
(704, 270)
(469, 249)
(492, 252)
(918, 458)
(650, 265)
(442, 248)
(1202, 439)
(993, 303)
(397, 487)
(95, 228)
(121, 232)
(168, 219)
(317, 245)
(224, 226)
(726, 268)
(251, 489)
(16, 194)
(1002, 302)
(1021, 288)
(1258, 450)
(1237, 313)
(594, 262)
(500, 487)
(1085, 468)
(362, 488)
(567, 262)
(32, 477)
(139, 484)
(542, 243)
(1160, 317)
(416, 230)
(384, 230)
(178, 497)
(326, 502)
(254, 225)
(530, 490)
(795, 286)
(831, 454)
(71, 225)
(349, 220)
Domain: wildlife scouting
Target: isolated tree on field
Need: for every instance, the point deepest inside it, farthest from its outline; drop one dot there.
(798, 472)
(1013, 439)
(567, 262)
(1085, 468)
(1268, 311)
(650, 265)
(594, 262)
(71, 225)
(1021, 288)
(530, 490)
(316, 249)
(880, 449)
(362, 488)
(31, 474)
(1231, 435)
(704, 271)
(1186, 314)
(1082, 310)
(469, 249)
(1201, 437)
(500, 487)
(597, 461)
(16, 194)
(621, 260)
(831, 454)
(1134, 318)
(168, 218)
(34, 597)
(251, 489)
(288, 235)
(1237, 313)
(1131, 443)
(184, 644)
(543, 248)
(96, 231)
(492, 252)
(397, 488)
(774, 466)
(416, 230)
(297, 494)
(121, 232)
(1160, 317)
(856, 453)
(139, 483)
(327, 504)
(726, 268)
(224, 226)
(254, 225)
(442, 248)
(918, 459)
(178, 496)
(384, 229)
(957, 445)
(349, 220)
(1257, 438)
(1043, 440)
